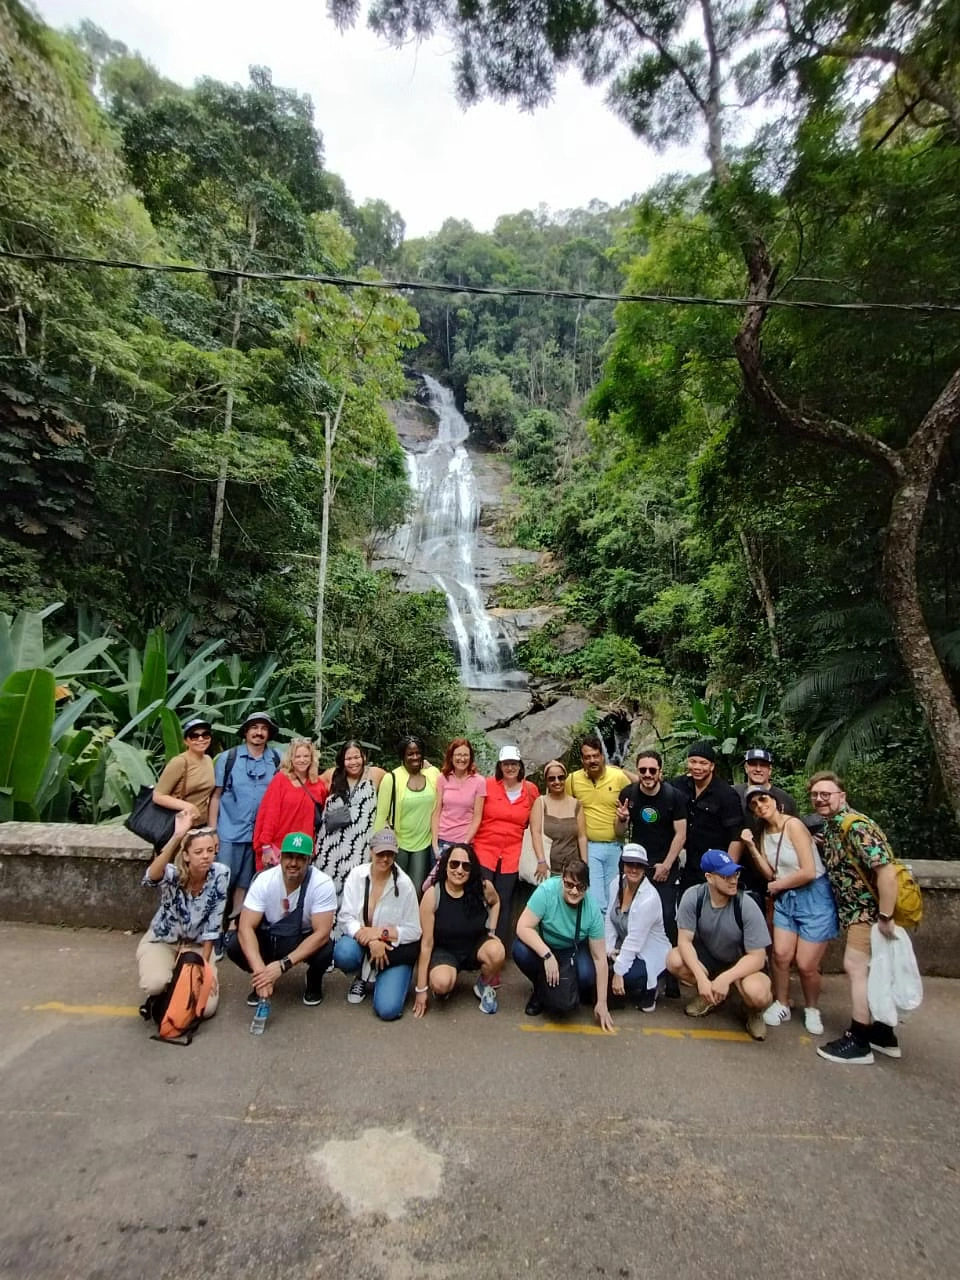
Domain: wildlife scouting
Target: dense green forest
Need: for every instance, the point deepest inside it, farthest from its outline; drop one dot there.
(748, 514)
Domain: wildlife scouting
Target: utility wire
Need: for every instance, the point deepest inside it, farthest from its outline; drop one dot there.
(502, 291)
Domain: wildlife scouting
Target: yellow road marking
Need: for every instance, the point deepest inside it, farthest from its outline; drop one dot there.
(89, 1010)
(672, 1033)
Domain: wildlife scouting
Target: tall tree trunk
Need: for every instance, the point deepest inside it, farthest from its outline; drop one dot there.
(761, 589)
(330, 428)
(221, 491)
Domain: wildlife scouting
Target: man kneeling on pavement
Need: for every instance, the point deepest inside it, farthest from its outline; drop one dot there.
(287, 919)
(722, 941)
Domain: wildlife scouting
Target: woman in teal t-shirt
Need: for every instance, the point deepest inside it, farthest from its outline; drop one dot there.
(549, 923)
(405, 802)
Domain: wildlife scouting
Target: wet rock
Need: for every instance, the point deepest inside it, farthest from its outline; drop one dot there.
(543, 735)
(496, 709)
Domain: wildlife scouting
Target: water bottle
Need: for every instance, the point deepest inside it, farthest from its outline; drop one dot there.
(258, 1025)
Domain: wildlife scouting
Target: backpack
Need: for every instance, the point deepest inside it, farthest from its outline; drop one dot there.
(908, 909)
(737, 905)
(231, 760)
(178, 1009)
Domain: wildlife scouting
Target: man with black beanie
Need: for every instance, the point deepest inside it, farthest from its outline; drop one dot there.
(714, 816)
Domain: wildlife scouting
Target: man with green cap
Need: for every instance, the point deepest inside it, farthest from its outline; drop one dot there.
(287, 919)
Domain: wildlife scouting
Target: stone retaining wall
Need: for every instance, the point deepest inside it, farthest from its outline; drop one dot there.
(89, 877)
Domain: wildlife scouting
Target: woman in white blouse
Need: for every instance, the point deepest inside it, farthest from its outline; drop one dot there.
(379, 923)
(637, 943)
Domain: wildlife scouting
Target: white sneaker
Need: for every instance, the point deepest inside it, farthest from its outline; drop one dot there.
(776, 1013)
(812, 1021)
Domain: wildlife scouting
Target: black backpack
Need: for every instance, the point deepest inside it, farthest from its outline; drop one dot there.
(232, 760)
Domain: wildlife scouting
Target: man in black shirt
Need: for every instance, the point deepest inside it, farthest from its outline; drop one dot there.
(758, 766)
(653, 814)
(714, 814)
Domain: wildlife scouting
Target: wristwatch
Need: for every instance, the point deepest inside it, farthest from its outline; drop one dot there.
(547, 955)
(384, 935)
(286, 964)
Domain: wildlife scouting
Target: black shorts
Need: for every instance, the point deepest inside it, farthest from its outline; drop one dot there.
(710, 962)
(461, 960)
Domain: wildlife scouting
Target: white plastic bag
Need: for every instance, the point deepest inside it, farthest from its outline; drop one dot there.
(893, 983)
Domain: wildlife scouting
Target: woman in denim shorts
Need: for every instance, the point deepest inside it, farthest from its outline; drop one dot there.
(804, 913)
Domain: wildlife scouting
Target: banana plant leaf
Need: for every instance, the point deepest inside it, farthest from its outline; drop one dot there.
(27, 711)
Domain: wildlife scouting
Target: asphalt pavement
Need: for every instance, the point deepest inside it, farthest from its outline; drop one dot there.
(462, 1147)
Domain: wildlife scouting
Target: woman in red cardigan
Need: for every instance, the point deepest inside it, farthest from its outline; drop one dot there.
(293, 801)
(506, 812)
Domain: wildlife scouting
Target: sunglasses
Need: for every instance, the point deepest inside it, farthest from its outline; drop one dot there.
(202, 734)
(573, 887)
(556, 777)
(458, 866)
(202, 831)
(655, 769)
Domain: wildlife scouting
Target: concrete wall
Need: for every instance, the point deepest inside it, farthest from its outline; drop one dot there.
(89, 877)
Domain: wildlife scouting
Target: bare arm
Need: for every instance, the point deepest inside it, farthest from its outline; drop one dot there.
(428, 911)
(802, 841)
(598, 952)
(536, 835)
(663, 868)
(688, 954)
(435, 820)
(474, 826)
(213, 810)
(581, 832)
(181, 825)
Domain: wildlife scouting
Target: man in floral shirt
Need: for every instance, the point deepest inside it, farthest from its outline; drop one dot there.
(860, 865)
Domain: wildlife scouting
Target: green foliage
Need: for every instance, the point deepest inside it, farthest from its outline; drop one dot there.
(729, 724)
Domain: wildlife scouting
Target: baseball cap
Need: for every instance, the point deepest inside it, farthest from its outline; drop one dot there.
(757, 790)
(760, 754)
(509, 753)
(635, 853)
(298, 842)
(716, 862)
(703, 749)
(382, 840)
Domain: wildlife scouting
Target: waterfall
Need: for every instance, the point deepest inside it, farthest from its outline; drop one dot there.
(440, 540)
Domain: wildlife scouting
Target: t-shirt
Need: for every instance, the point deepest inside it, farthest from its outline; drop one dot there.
(558, 920)
(718, 929)
(714, 819)
(249, 779)
(599, 800)
(458, 796)
(652, 817)
(188, 777)
(268, 892)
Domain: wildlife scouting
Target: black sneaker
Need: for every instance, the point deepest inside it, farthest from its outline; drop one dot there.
(312, 998)
(648, 1001)
(847, 1049)
(883, 1038)
(252, 999)
(534, 1008)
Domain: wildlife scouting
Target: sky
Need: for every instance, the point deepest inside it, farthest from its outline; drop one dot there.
(391, 125)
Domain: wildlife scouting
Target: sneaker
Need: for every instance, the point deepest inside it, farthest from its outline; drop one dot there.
(358, 991)
(488, 1001)
(478, 988)
(756, 1027)
(776, 1013)
(252, 999)
(884, 1040)
(698, 1007)
(812, 1021)
(534, 1008)
(648, 1001)
(312, 998)
(847, 1049)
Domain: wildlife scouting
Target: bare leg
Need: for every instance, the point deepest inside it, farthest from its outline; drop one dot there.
(784, 951)
(809, 958)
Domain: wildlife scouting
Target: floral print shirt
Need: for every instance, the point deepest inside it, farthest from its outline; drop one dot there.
(862, 845)
(185, 917)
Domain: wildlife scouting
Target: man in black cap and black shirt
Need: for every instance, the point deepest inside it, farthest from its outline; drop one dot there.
(714, 814)
(758, 766)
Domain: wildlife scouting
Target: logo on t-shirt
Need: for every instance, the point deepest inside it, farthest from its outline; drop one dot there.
(649, 814)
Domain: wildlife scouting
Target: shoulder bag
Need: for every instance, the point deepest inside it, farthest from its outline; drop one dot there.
(565, 996)
(528, 858)
(151, 821)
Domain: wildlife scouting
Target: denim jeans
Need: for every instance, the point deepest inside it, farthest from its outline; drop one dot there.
(634, 981)
(531, 966)
(603, 858)
(392, 984)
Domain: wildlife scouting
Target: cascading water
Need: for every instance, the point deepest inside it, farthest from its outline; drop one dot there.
(440, 542)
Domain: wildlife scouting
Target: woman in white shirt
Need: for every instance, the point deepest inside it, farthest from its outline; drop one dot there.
(379, 925)
(637, 943)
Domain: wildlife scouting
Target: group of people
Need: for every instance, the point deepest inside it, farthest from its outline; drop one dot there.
(400, 878)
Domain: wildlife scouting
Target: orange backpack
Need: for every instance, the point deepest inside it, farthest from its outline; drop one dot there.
(181, 1006)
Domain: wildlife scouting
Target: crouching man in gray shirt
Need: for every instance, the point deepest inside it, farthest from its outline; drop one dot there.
(722, 941)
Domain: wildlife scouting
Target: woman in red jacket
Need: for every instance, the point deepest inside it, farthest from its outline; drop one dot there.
(506, 812)
(293, 801)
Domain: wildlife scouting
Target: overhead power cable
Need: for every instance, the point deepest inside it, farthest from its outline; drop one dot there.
(502, 291)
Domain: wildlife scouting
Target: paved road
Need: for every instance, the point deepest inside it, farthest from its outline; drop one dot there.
(460, 1148)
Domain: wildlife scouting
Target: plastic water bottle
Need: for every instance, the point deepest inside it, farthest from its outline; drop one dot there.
(259, 1023)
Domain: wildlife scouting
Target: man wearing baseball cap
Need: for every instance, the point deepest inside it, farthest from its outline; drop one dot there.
(722, 941)
(287, 919)
(241, 777)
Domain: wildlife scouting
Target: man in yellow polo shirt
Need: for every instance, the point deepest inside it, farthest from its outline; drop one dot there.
(597, 786)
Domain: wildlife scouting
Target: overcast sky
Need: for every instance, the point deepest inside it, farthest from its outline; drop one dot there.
(391, 125)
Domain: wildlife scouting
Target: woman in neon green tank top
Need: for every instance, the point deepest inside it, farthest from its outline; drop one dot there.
(405, 803)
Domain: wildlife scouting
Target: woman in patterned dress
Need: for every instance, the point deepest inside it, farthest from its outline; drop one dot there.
(351, 807)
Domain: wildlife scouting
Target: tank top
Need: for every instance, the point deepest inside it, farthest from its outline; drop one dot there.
(563, 833)
(453, 929)
(789, 858)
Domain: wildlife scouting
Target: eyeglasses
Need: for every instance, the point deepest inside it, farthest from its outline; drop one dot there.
(573, 886)
(458, 866)
(823, 795)
(655, 769)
